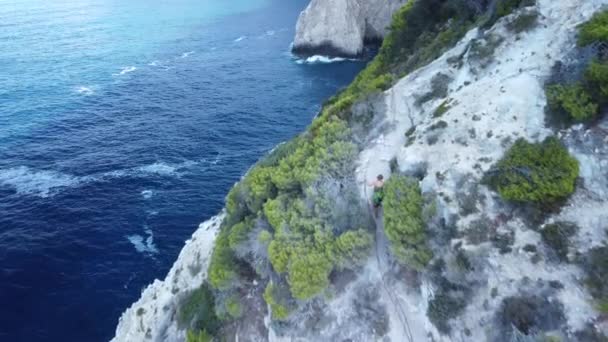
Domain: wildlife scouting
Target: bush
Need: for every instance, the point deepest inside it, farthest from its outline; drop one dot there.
(222, 265)
(574, 100)
(443, 108)
(201, 336)
(278, 305)
(524, 22)
(506, 7)
(557, 236)
(442, 308)
(596, 268)
(595, 30)
(197, 311)
(597, 77)
(530, 313)
(308, 274)
(403, 222)
(540, 173)
(234, 307)
(352, 248)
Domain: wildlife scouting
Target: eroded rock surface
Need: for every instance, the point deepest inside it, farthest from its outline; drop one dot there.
(341, 27)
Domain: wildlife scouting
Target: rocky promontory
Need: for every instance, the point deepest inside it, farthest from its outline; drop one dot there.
(342, 27)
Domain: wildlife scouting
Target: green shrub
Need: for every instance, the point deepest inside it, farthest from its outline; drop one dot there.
(308, 274)
(352, 248)
(197, 311)
(443, 108)
(201, 336)
(540, 173)
(530, 313)
(274, 298)
(442, 308)
(574, 100)
(234, 307)
(602, 306)
(596, 268)
(524, 22)
(259, 186)
(222, 268)
(557, 236)
(595, 30)
(403, 222)
(597, 77)
(239, 233)
(265, 237)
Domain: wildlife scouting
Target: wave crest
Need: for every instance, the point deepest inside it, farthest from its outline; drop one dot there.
(26, 181)
(318, 59)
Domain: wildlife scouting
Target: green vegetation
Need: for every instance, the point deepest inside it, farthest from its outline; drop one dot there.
(574, 100)
(541, 173)
(443, 108)
(597, 78)
(524, 22)
(420, 32)
(403, 222)
(583, 100)
(557, 236)
(595, 265)
(595, 30)
(201, 336)
(234, 307)
(197, 311)
(442, 308)
(222, 267)
(279, 306)
(506, 7)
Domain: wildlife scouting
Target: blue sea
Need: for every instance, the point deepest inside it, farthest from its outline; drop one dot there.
(123, 124)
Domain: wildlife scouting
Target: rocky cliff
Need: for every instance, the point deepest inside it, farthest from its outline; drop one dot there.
(342, 27)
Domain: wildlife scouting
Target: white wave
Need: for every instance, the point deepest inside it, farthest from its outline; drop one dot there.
(84, 90)
(240, 38)
(186, 54)
(318, 59)
(126, 70)
(152, 213)
(38, 183)
(46, 183)
(147, 194)
(143, 245)
(161, 169)
(154, 63)
(270, 33)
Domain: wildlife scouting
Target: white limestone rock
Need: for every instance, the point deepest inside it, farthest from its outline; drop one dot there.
(341, 27)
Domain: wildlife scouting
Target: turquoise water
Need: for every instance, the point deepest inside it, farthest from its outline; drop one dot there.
(123, 124)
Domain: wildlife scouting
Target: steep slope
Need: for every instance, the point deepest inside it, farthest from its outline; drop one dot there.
(342, 27)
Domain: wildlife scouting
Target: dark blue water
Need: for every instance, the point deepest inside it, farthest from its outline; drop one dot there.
(123, 124)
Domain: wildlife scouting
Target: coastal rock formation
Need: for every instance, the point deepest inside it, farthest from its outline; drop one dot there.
(341, 27)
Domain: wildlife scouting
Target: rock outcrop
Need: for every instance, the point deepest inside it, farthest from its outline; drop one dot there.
(342, 27)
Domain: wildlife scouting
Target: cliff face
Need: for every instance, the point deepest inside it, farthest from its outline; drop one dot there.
(341, 27)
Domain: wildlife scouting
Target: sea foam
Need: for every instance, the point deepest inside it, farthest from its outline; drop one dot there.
(143, 245)
(42, 183)
(84, 90)
(126, 70)
(318, 59)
